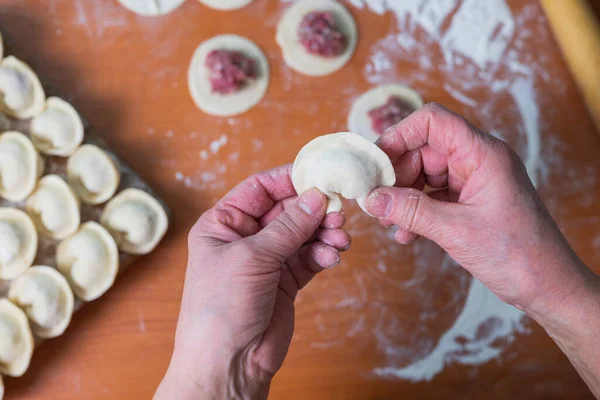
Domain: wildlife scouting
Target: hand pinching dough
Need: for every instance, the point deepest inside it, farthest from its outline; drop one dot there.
(226, 4)
(228, 75)
(90, 261)
(317, 37)
(54, 208)
(16, 340)
(151, 8)
(18, 242)
(58, 130)
(21, 93)
(45, 296)
(20, 166)
(92, 174)
(136, 220)
(343, 164)
(381, 107)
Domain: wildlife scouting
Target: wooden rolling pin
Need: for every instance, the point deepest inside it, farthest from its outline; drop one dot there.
(578, 34)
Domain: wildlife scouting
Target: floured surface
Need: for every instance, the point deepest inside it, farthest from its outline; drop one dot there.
(388, 317)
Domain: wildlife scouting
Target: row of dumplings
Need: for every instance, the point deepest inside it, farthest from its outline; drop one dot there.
(41, 299)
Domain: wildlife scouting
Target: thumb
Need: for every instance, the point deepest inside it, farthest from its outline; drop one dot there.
(294, 226)
(414, 211)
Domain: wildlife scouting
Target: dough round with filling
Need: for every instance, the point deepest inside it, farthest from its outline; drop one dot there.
(21, 93)
(151, 8)
(226, 4)
(359, 120)
(54, 208)
(16, 340)
(92, 174)
(233, 103)
(20, 166)
(343, 164)
(46, 297)
(18, 243)
(136, 220)
(294, 53)
(89, 260)
(58, 130)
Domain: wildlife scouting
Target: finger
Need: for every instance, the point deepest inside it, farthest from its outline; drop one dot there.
(309, 261)
(339, 239)
(434, 162)
(420, 182)
(414, 211)
(277, 209)
(293, 227)
(437, 181)
(334, 220)
(223, 223)
(408, 167)
(258, 194)
(446, 133)
(403, 236)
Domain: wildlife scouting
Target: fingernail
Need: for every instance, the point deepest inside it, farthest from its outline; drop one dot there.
(311, 201)
(379, 204)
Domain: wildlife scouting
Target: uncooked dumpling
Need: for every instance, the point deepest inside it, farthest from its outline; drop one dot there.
(58, 130)
(16, 340)
(151, 8)
(21, 93)
(45, 296)
(343, 164)
(54, 208)
(359, 119)
(18, 242)
(226, 4)
(294, 51)
(136, 220)
(20, 166)
(90, 261)
(232, 103)
(92, 174)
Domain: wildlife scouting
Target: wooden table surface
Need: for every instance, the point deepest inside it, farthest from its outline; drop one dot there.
(386, 306)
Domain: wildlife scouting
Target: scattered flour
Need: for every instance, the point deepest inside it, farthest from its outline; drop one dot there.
(216, 145)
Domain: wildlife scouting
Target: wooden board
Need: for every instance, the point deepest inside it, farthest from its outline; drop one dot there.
(127, 74)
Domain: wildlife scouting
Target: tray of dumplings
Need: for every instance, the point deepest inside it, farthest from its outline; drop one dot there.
(73, 216)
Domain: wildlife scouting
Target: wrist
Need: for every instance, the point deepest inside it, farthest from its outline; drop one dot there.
(569, 307)
(212, 364)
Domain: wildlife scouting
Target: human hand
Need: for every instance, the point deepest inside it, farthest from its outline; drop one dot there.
(485, 212)
(248, 257)
(483, 209)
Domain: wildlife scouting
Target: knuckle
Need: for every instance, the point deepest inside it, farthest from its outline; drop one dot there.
(288, 226)
(411, 213)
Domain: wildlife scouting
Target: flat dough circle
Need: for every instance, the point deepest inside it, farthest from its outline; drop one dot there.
(343, 164)
(294, 53)
(18, 242)
(22, 93)
(54, 208)
(151, 8)
(16, 340)
(89, 259)
(58, 130)
(92, 174)
(20, 166)
(358, 118)
(226, 4)
(234, 103)
(46, 297)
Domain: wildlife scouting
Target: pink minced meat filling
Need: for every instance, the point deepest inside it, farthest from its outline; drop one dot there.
(392, 112)
(229, 70)
(319, 35)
